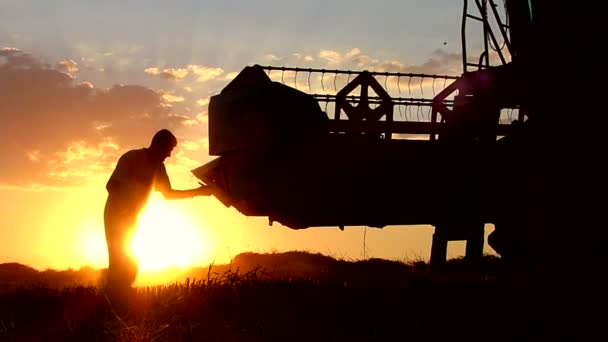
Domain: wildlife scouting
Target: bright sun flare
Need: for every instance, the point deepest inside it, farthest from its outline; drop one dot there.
(167, 238)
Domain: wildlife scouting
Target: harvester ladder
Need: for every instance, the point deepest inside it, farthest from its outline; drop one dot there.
(488, 34)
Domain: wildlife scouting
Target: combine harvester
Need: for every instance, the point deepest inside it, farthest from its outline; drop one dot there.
(356, 155)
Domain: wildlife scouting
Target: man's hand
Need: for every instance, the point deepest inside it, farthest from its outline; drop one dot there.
(203, 190)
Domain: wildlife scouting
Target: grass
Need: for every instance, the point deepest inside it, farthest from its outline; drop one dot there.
(366, 300)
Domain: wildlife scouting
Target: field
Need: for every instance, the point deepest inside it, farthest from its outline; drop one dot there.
(299, 296)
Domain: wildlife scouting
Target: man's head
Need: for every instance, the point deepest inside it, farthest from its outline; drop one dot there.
(162, 144)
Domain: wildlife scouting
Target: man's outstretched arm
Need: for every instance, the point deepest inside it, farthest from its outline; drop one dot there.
(169, 193)
(163, 185)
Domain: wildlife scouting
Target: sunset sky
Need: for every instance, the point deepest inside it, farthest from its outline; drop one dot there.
(81, 82)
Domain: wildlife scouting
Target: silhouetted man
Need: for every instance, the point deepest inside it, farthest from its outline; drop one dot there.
(136, 174)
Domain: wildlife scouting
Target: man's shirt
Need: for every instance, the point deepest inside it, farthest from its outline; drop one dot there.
(136, 174)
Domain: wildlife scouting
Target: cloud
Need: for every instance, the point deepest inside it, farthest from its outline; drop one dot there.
(152, 71)
(81, 160)
(170, 98)
(352, 53)
(68, 66)
(201, 73)
(16, 58)
(87, 84)
(114, 58)
(33, 155)
(291, 59)
(169, 73)
(439, 62)
(272, 57)
(8, 50)
(174, 74)
(300, 57)
(203, 102)
(204, 73)
(58, 132)
(391, 66)
(185, 120)
(189, 147)
(333, 57)
(231, 75)
(203, 117)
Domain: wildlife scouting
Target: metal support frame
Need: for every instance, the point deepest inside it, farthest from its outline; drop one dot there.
(474, 235)
(488, 34)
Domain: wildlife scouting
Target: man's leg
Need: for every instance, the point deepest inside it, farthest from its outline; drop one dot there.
(129, 264)
(122, 268)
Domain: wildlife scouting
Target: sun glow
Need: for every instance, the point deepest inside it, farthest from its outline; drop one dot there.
(91, 245)
(167, 237)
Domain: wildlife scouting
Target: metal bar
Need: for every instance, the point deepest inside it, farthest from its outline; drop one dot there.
(501, 27)
(396, 127)
(502, 58)
(377, 100)
(481, 57)
(474, 17)
(374, 73)
(482, 9)
(463, 36)
(488, 32)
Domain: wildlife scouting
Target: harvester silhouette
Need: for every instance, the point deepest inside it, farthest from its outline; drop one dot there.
(491, 146)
